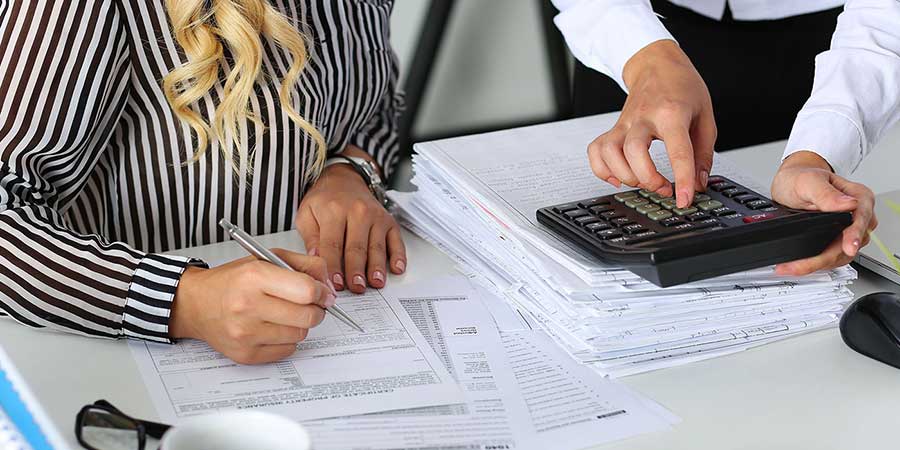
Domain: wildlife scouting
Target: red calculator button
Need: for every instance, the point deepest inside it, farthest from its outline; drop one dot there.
(759, 217)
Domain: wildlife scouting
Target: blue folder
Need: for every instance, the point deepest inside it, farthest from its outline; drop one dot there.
(20, 418)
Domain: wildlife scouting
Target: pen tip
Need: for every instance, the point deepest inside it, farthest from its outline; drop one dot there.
(224, 223)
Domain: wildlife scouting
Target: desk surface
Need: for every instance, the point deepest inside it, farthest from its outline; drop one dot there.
(807, 392)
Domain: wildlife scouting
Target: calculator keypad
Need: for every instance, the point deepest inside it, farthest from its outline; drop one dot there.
(637, 216)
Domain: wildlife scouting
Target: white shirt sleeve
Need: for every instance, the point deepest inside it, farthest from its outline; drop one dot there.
(856, 93)
(605, 34)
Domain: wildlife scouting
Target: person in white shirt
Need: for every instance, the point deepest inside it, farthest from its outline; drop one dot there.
(855, 98)
(753, 55)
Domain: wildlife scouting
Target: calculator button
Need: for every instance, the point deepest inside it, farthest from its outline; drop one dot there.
(759, 217)
(608, 215)
(723, 211)
(644, 193)
(597, 226)
(714, 180)
(622, 221)
(757, 204)
(698, 198)
(671, 221)
(609, 234)
(696, 226)
(659, 215)
(584, 220)
(697, 216)
(733, 192)
(576, 213)
(622, 196)
(588, 204)
(684, 211)
(742, 199)
(600, 209)
(634, 228)
(656, 198)
(709, 205)
(668, 203)
(632, 202)
(648, 208)
(722, 186)
(564, 208)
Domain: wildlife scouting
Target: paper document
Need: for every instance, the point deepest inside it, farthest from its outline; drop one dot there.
(336, 371)
(521, 391)
(476, 201)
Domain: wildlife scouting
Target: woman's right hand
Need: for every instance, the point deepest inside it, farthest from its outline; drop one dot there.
(252, 311)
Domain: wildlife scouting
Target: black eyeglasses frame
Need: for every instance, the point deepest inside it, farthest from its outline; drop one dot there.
(144, 428)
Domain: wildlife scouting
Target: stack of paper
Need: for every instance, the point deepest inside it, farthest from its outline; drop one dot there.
(476, 200)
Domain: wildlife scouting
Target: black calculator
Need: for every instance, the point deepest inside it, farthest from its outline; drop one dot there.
(727, 229)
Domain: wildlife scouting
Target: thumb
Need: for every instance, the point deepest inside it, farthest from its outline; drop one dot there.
(308, 228)
(824, 196)
(313, 266)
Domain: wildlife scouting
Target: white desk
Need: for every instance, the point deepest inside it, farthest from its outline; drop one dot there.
(809, 392)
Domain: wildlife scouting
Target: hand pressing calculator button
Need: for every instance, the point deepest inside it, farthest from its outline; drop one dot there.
(728, 228)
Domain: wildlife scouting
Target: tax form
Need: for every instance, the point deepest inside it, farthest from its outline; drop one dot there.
(522, 392)
(336, 371)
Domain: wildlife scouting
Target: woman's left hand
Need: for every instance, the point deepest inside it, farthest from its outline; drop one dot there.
(341, 221)
(805, 181)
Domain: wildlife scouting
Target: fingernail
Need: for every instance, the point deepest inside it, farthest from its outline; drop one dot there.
(400, 265)
(614, 181)
(331, 286)
(330, 300)
(704, 178)
(684, 202)
(338, 280)
(847, 198)
(378, 276)
(856, 243)
(313, 252)
(358, 280)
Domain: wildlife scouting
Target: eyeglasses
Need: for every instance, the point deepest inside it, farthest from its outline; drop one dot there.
(101, 426)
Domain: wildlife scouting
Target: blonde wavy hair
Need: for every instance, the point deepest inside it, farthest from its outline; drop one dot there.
(203, 29)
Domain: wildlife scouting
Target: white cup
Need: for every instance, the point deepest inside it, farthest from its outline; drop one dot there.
(237, 430)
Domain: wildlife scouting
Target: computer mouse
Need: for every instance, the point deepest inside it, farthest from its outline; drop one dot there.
(871, 326)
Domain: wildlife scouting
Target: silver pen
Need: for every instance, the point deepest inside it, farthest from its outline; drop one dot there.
(257, 250)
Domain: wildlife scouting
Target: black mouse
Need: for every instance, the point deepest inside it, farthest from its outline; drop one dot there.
(871, 326)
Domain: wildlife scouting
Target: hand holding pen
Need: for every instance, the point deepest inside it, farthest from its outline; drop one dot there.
(264, 254)
(250, 310)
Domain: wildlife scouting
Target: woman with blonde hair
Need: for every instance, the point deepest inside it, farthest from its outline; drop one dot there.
(128, 128)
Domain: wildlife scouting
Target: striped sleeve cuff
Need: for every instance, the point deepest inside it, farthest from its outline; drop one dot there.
(380, 138)
(150, 296)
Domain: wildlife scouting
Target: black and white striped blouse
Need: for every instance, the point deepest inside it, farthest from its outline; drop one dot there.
(92, 180)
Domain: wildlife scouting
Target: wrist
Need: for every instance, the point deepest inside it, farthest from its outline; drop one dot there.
(182, 319)
(356, 152)
(806, 158)
(647, 60)
(346, 174)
